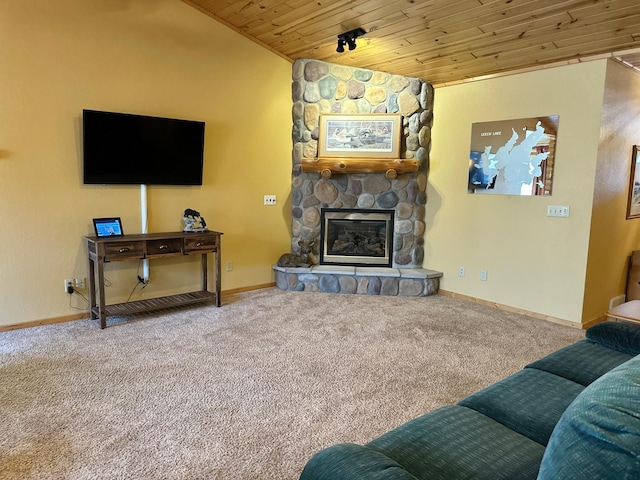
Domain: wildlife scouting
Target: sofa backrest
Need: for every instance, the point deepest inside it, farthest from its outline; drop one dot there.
(621, 336)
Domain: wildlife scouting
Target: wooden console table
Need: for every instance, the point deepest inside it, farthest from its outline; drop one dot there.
(149, 245)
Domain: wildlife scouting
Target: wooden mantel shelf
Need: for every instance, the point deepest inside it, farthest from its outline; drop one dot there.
(389, 166)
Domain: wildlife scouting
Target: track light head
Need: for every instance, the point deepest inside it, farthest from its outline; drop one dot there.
(349, 38)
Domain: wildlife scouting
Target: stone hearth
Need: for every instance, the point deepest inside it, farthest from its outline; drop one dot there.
(410, 282)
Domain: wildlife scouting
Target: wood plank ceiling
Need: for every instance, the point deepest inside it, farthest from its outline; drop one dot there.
(441, 41)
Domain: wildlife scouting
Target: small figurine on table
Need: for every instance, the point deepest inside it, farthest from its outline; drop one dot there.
(193, 222)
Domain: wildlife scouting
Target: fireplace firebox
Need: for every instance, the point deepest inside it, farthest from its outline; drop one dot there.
(359, 237)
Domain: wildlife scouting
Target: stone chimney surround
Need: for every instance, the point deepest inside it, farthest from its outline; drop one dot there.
(321, 87)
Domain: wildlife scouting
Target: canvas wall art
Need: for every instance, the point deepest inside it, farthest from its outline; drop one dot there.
(513, 157)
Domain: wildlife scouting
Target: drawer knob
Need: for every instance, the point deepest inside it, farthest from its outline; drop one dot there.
(123, 249)
(198, 244)
(162, 247)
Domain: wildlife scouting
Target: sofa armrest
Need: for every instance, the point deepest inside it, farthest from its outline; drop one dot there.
(348, 461)
(621, 336)
(598, 436)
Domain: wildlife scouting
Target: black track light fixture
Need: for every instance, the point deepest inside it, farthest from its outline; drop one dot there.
(349, 39)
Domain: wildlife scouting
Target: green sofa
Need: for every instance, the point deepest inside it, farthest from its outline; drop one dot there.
(574, 414)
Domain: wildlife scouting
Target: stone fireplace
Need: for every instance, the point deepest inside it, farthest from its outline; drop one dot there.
(356, 237)
(321, 87)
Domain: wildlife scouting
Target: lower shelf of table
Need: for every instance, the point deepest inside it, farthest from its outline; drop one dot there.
(159, 303)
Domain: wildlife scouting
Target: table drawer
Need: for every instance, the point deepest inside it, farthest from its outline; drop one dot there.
(200, 243)
(118, 250)
(164, 247)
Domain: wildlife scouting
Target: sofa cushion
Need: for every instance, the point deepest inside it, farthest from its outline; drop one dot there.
(599, 434)
(582, 362)
(621, 336)
(456, 442)
(530, 402)
(347, 461)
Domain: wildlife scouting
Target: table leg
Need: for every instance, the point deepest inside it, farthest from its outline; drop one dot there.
(218, 261)
(92, 289)
(101, 294)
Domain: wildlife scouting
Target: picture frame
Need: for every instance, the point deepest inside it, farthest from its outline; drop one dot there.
(108, 227)
(367, 135)
(633, 201)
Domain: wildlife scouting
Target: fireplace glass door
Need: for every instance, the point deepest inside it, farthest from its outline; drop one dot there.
(356, 237)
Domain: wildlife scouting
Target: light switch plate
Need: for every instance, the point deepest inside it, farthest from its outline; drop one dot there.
(557, 210)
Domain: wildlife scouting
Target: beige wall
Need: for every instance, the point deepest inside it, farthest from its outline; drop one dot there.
(158, 57)
(613, 237)
(534, 262)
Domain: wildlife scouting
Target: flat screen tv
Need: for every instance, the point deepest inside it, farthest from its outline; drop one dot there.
(126, 149)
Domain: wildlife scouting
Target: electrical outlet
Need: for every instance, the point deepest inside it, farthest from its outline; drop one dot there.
(461, 271)
(68, 286)
(229, 266)
(270, 200)
(79, 283)
(483, 275)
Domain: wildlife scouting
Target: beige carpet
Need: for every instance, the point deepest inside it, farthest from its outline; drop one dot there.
(247, 391)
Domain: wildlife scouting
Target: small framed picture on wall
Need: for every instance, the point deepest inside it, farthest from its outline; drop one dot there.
(633, 202)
